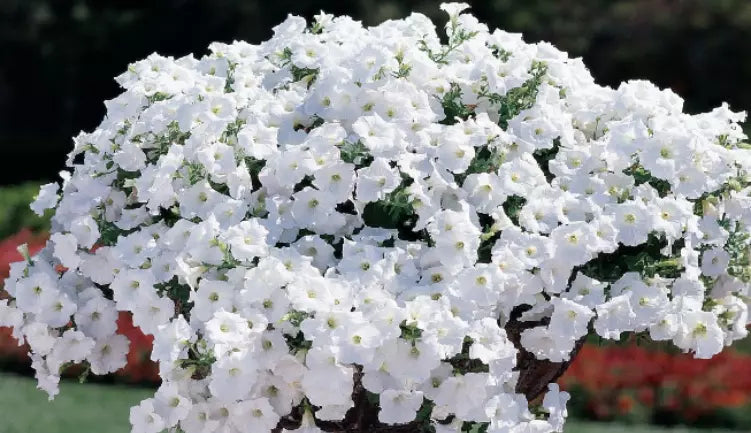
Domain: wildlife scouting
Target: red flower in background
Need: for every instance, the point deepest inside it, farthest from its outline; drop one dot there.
(139, 368)
(9, 252)
(615, 379)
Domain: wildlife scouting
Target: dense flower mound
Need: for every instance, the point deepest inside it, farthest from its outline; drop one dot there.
(345, 217)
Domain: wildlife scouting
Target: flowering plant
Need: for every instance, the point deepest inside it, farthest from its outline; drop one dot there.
(139, 368)
(10, 351)
(365, 229)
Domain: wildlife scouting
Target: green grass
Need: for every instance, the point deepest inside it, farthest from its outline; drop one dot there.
(93, 408)
(88, 408)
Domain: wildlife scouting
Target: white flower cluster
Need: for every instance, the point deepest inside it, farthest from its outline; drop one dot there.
(344, 207)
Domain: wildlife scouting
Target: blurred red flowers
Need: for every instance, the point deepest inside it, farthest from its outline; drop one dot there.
(617, 380)
(9, 253)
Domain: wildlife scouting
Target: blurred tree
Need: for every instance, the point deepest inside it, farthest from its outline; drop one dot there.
(58, 57)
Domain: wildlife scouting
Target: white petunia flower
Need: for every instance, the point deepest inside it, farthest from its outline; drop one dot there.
(399, 407)
(46, 199)
(714, 262)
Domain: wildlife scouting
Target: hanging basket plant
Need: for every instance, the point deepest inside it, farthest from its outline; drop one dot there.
(352, 229)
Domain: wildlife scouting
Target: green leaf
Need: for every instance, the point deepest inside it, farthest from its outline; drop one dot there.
(512, 206)
(355, 153)
(458, 37)
(519, 98)
(453, 107)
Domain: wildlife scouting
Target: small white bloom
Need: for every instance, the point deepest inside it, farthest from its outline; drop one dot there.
(714, 262)
(399, 407)
(46, 199)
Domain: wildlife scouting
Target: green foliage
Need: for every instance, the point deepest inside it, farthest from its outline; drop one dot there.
(463, 364)
(458, 37)
(229, 136)
(108, 232)
(254, 168)
(404, 68)
(314, 122)
(159, 144)
(309, 75)
(200, 359)
(230, 77)
(15, 213)
(158, 96)
(520, 98)
(641, 175)
(410, 332)
(228, 261)
(179, 293)
(423, 417)
(491, 233)
(395, 211)
(512, 206)
(486, 160)
(645, 259)
(475, 427)
(500, 54)
(355, 153)
(298, 343)
(124, 179)
(510, 105)
(453, 107)
(544, 156)
(196, 172)
(295, 317)
(169, 216)
(739, 249)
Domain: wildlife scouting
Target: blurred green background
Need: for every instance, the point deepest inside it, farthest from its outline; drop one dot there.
(58, 57)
